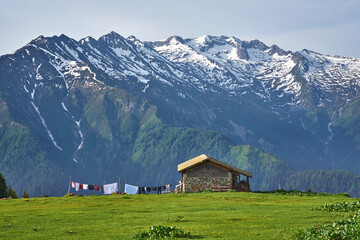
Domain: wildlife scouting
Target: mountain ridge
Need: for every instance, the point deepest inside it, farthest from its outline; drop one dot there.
(288, 104)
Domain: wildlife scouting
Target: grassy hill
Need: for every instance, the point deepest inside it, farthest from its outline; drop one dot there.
(205, 215)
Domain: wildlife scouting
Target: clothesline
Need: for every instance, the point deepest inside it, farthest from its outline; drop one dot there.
(106, 188)
(114, 188)
(132, 189)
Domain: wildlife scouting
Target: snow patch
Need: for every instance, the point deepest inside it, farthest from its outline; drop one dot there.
(78, 127)
(38, 76)
(81, 135)
(146, 86)
(64, 107)
(181, 95)
(46, 128)
(255, 55)
(121, 52)
(202, 40)
(25, 88)
(32, 94)
(73, 53)
(178, 52)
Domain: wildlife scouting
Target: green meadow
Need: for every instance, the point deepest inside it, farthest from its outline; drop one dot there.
(229, 215)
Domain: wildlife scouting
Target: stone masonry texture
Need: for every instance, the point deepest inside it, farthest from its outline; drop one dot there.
(199, 184)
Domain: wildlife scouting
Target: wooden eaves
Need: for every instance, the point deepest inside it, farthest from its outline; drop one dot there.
(203, 158)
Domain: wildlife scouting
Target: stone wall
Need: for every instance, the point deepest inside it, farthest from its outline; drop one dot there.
(199, 184)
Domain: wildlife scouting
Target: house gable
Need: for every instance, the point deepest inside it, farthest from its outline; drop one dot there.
(207, 169)
(183, 167)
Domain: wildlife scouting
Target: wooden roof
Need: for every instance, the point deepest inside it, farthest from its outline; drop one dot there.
(203, 158)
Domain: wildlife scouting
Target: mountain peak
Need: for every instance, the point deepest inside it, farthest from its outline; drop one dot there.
(112, 35)
(219, 40)
(87, 39)
(275, 49)
(133, 39)
(39, 40)
(168, 41)
(202, 39)
(114, 40)
(258, 44)
(176, 39)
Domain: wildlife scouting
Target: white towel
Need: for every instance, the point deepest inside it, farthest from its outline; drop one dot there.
(85, 186)
(131, 189)
(110, 188)
(77, 186)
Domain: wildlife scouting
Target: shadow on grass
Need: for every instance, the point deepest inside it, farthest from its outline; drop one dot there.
(236, 219)
(196, 237)
(177, 219)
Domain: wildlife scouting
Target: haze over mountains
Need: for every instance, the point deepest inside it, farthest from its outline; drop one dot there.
(100, 109)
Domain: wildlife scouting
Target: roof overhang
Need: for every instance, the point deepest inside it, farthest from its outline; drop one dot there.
(203, 158)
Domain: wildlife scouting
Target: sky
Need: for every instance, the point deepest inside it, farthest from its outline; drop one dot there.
(325, 26)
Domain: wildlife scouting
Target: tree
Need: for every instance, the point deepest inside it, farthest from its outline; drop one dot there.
(2, 187)
(10, 192)
(6, 191)
(25, 195)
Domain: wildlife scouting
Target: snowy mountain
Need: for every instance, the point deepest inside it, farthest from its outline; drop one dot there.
(211, 64)
(299, 106)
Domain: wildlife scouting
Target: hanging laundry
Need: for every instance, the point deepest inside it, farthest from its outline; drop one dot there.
(73, 184)
(85, 186)
(159, 190)
(131, 189)
(96, 187)
(81, 186)
(148, 189)
(77, 186)
(110, 188)
(101, 188)
(91, 187)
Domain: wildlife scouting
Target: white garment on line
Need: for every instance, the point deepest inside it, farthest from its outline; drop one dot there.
(131, 189)
(85, 186)
(110, 188)
(77, 186)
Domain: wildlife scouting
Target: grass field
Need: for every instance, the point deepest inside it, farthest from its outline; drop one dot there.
(228, 215)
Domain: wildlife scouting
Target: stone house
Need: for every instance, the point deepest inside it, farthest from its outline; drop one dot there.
(204, 172)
